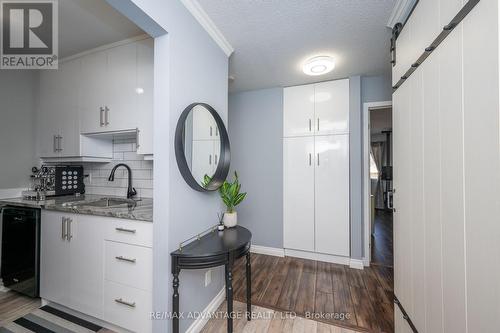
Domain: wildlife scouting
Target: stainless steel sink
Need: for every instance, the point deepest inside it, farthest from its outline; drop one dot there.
(108, 203)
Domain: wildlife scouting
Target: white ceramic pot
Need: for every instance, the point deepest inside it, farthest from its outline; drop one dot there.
(230, 219)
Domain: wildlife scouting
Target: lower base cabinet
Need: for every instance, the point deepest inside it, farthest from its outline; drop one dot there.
(99, 266)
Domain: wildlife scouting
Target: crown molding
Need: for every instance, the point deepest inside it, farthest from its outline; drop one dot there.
(401, 11)
(202, 17)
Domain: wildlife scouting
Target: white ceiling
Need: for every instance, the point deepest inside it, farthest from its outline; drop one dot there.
(87, 24)
(272, 38)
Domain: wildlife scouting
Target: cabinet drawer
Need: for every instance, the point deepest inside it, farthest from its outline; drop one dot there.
(127, 307)
(130, 232)
(130, 265)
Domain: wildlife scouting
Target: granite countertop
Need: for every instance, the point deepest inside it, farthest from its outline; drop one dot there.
(141, 209)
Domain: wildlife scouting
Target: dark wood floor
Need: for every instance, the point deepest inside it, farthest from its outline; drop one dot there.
(364, 297)
(382, 245)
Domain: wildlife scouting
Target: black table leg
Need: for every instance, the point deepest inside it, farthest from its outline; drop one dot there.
(229, 291)
(175, 298)
(249, 288)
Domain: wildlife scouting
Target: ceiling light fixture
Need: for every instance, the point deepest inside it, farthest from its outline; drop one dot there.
(318, 65)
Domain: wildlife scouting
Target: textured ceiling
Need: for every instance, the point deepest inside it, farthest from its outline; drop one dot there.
(272, 38)
(87, 24)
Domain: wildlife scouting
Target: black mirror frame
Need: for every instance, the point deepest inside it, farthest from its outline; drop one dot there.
(225, 154)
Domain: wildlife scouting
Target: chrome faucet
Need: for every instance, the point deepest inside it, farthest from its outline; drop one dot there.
(130, 191)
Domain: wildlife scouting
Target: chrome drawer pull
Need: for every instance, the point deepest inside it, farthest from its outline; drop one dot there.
(126, 259)
(119, 300)
(132, 231)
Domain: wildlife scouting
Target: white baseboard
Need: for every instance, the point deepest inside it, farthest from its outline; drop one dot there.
(366, 262)
(9, 193)
(318, 256)
(203, 319)
(271, 251)
(356, 263)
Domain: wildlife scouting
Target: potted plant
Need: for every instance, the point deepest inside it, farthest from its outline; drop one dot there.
(231, 196)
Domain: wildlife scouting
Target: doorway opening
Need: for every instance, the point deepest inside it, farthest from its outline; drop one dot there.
(378, 184)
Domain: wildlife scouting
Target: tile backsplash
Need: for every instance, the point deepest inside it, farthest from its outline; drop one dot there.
(124, 151)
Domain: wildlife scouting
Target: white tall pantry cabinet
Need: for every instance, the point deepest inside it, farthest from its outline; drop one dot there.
(316, 168)
(447, 174)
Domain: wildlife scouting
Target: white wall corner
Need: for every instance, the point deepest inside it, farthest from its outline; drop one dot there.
(356, 263)
(270, 251)
(212, 307)
(400, 12)
(206, 22)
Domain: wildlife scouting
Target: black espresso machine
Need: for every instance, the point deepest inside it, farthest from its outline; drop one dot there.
(56, 180)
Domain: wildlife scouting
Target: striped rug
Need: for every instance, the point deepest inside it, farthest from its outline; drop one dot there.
(50, 320)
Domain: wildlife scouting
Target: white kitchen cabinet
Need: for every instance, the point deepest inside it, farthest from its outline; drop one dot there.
(86, 266)
(57, 133)
(116, 93)
(298, 201)
(72, 261)
(93, 92)
(78, 271)
(298, 111)
(331, 187)
(331, 107)
(55, 260)
(121, 111)
(144, 91)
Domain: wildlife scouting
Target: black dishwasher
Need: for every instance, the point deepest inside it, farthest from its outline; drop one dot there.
(20, 265)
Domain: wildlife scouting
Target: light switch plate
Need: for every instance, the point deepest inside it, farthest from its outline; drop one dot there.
(208, 277)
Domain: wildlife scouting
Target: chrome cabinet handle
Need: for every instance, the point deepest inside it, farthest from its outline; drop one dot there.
(137, 137)
(310, 159)
(59, 143)
(121, 301)
(310, 125)
(210, 159)
(55, 143)
(121, 258)
(318, 158)
(211, 129)
(70, 234)
(101, 116)
(106, 116)
(318, 124)
(132, 231)
(216, 131)
(63, 228)
(216, 160)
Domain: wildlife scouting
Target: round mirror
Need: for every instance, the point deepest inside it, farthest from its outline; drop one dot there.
(202, 147)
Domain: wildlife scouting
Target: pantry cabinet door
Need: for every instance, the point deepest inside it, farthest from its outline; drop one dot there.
(298, 111)
(331, 188)
(331, 107)
(299, 193)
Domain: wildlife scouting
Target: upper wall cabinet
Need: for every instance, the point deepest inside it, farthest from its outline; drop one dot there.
(317, 109)
(116, 89)
(102, 92)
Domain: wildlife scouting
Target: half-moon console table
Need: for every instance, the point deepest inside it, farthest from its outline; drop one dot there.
(216, 248)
